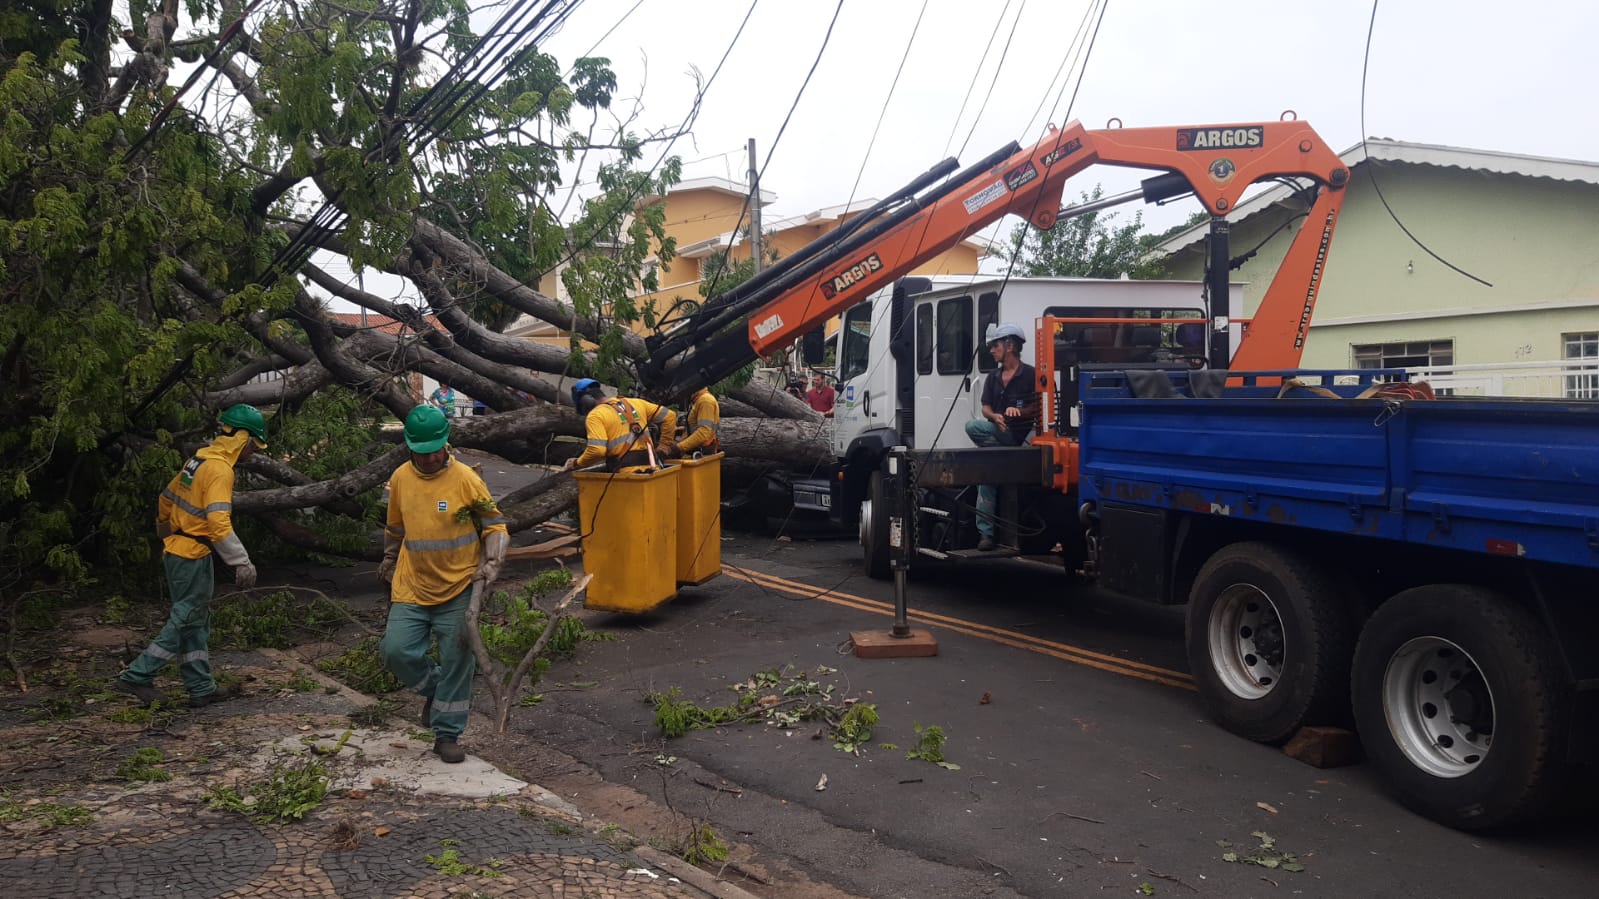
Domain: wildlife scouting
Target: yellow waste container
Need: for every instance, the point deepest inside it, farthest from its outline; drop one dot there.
(699, 520)
(629, 524)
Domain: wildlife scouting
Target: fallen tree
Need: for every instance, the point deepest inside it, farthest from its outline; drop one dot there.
(165, 257)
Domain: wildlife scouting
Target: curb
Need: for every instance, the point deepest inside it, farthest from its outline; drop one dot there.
(682, 870)
(691, 875)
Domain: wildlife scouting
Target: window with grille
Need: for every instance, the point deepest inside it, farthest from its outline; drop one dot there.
(1434, 354)
(1582, 380)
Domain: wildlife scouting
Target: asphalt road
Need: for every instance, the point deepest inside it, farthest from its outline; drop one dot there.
(1090, 768)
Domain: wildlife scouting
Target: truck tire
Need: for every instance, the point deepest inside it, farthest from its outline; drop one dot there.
(1461, 706)
(874, 530)
(1269, 641)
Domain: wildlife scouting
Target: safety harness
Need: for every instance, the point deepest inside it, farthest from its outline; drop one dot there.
(636, 426)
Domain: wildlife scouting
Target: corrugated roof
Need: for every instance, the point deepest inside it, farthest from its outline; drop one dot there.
(1388, 150)
(379, 322)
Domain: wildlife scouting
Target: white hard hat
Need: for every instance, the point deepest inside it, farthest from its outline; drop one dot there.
(1004, 330)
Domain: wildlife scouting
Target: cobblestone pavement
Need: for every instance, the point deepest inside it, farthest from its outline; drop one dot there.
(166, 849)
(75, 822)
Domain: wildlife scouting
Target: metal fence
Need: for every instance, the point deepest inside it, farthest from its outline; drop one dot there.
(1575, 379)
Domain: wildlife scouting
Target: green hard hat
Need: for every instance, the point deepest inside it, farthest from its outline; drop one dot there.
(426, 429)
(247, 417)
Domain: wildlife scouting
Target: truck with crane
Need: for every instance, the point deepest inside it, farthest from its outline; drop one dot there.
(1351, 548)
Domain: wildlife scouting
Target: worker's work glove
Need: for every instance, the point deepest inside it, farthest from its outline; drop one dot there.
(163, 530)
(391, 558)
(670, 451)
(232, 553)
(570, 464)
(494, 546)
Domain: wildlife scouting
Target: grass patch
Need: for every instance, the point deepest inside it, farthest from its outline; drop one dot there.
(273, 620)
(361, 668)
(377, 714)
(289, 793)
(48, 813)
(301, 682)
(703, 845)
(449, 863)
(144, 766)
(78, 695)
(557, 828)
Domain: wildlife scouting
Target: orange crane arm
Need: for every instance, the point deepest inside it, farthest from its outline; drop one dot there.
(1217, 162)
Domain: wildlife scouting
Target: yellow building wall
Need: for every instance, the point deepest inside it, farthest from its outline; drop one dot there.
(688, 214)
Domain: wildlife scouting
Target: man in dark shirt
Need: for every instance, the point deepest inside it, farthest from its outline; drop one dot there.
(1010, 406)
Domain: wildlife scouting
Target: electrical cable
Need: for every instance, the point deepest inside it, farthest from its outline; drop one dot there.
(955, 125)
(693, 113)
(1016, 251)
(1067, 62)
(909, 319)
(1020, 10)
(893, 86)
(608, 32)
(772, 149)
(1073, 51)
(1371, 164)
(760, 174)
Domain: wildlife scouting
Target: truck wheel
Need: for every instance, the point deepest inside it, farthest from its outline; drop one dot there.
(1269, 641)
(874, 530)
(1461, 706)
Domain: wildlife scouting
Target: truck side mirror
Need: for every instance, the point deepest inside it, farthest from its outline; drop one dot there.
(813, 347)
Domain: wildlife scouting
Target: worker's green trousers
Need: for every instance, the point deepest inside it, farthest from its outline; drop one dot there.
(449, 683)
(187, 632)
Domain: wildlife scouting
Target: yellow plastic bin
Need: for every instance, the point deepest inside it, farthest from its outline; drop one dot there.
(629, 523)
(699, 520)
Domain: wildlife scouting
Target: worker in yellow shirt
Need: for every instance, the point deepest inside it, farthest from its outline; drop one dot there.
(444, 535)
(704, 423)
(619, 428)
(194, 518)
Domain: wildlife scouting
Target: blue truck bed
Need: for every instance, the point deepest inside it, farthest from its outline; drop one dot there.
(1503, 476)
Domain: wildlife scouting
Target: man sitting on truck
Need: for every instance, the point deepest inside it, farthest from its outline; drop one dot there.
(1010, 405)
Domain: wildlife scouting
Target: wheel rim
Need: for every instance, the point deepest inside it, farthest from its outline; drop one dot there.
(866, 524)
(1439, 709)
(1246, 641)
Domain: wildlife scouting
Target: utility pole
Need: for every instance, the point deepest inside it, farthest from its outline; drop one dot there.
(755, 209)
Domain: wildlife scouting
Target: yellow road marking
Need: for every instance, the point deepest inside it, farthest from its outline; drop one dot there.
(1063, 651)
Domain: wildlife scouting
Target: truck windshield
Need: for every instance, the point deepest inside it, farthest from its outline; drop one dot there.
(857, 336)
(1127, 335)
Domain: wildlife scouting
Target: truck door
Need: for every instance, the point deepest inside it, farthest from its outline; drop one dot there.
(864, 400)
(946, 376)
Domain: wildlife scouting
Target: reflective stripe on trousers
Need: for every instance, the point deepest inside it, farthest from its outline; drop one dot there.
(406, 637)
(187, 632)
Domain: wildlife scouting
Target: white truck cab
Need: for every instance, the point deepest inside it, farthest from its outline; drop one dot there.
(911, 360)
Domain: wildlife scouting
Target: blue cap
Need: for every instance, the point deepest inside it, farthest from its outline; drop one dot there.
(584, 385)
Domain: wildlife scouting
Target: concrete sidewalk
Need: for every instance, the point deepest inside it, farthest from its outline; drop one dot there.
(395, 821)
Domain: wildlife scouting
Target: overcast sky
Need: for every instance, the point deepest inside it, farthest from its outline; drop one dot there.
(1498, 76)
